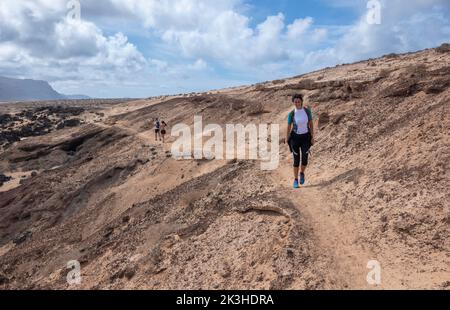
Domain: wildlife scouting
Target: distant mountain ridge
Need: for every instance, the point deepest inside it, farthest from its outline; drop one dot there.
(24, 90)
(77, 97)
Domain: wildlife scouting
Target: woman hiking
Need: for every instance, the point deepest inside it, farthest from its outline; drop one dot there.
(157, 129)
(163, 131)
(300, 137)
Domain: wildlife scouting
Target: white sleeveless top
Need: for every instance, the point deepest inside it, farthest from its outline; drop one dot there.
(301, 119)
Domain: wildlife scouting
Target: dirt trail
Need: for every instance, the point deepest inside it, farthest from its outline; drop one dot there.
(336, 235)
(106, 194)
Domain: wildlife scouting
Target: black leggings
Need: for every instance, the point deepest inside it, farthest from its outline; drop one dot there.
(299, 143)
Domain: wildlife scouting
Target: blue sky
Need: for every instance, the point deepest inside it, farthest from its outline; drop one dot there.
(325, 12)
(142, 48)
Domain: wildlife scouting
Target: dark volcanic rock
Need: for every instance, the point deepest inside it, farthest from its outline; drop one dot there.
(37, 122)
(69, 123)
(5, 119)
(4, 179)
(22, 238)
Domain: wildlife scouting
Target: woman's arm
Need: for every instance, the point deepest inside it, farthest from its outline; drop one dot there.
(288, 132)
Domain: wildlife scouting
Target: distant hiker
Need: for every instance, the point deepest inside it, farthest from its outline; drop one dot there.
(163, 130)
(157, 129)
(300, 136)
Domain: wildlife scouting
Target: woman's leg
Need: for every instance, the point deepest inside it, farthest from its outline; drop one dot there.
(296, 152)
(305, 147)
(296, 169)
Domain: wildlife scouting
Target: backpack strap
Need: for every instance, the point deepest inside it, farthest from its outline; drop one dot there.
(292, 116)
(292, 119)
(309, 113)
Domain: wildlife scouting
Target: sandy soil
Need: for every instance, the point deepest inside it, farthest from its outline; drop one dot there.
(107, 194)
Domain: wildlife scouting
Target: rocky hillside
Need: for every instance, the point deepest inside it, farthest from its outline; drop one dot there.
(103, 192)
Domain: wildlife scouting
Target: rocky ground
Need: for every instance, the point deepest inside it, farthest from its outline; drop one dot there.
(20, 121)
(100, 190)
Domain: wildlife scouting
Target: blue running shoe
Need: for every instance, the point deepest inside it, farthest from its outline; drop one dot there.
(296, 184)
(302, 178)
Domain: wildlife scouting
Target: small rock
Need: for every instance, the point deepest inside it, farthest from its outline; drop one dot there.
(260, 277)
(436, 236)
(3, 279)
(4, 179)
(225, 272)
(130, 272)
(22, 238)
(108, 232)
(445, 285)
(290, 253)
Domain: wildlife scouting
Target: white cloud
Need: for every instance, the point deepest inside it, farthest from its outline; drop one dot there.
(37, 40)
(199, 64)
(190, 43)
(159, 65)
(231, 41)
(417, 25)
(299, 27)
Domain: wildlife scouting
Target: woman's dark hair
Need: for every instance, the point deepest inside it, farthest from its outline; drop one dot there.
(297, 96)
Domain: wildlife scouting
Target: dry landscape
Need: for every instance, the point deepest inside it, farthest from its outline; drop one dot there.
(85, 180)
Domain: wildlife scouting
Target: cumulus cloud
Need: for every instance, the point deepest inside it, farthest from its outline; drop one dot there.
(260, 51)
(39, 40)
(404, 27)
(178, 43)
(299, 27)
